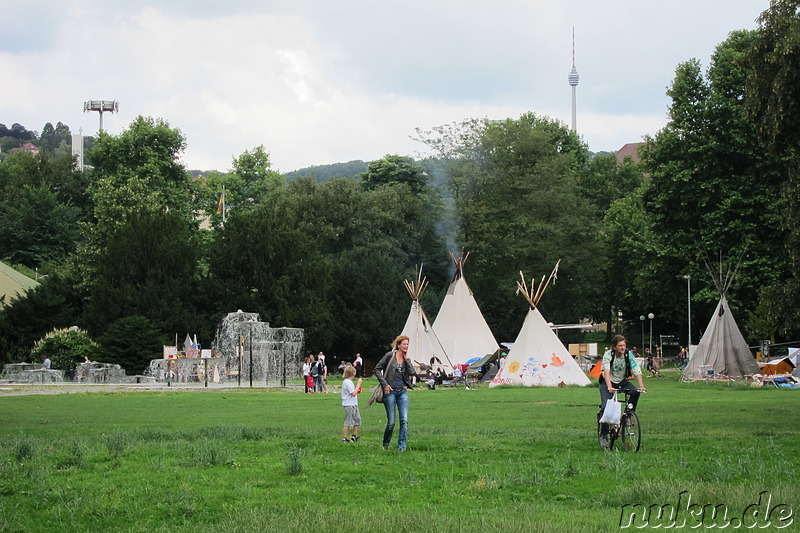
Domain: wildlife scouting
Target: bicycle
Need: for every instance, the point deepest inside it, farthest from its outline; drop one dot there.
(629, 429)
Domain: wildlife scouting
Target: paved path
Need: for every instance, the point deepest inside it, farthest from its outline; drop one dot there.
(25, 389)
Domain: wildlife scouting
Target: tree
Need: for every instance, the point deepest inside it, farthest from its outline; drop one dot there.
(131, 342)
(712, 187)
(148, 150)
(773, 84)
(53, 304)
(53, 138)
(245, 184)
(395, 169)
(328, 258)
(520, 209)
(606, 180)
(141, 254)
(37, 228)
(148, 267)
(773, 104)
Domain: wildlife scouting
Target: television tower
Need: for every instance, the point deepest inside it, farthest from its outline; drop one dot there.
(573, 82)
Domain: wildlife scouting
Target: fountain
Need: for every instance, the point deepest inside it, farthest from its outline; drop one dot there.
(31, 373)
(244, 350)
(93, 372)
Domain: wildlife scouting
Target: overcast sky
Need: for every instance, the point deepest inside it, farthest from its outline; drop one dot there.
(326, 81)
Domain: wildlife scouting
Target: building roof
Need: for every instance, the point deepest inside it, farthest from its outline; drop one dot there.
(26, 147)
(13, 284)
(630, 149)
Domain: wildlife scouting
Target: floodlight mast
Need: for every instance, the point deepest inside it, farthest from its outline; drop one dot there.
(101, 106)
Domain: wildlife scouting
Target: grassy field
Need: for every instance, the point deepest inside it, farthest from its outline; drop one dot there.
(507, 459)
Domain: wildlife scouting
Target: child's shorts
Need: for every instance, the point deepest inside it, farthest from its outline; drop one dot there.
(352, 416)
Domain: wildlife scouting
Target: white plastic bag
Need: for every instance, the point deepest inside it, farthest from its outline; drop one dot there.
(613, 411)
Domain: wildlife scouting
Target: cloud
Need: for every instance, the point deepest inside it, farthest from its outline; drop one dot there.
(319, 82)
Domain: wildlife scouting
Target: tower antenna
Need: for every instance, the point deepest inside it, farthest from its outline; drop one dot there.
(573, 82)
(101, 106)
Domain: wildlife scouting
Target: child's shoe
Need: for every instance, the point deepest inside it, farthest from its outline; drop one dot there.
(355, 438)
(345, 439)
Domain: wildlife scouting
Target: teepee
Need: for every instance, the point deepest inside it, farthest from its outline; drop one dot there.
(424, 347)
(538, 358)
(722, 350)
(460, 325)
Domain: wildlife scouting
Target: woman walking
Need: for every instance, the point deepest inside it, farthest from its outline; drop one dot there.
(395, 372)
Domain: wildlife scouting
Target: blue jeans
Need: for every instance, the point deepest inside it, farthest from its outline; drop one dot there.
(399, 399)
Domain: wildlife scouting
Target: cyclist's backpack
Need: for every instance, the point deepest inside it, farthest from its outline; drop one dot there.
(628, 355)
(597, 371)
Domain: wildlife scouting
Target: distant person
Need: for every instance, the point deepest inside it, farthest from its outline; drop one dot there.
(341, 367)
(618, 364)
(352, 416)
(683, 358)
(47, 363)
(358, 363)
(323, 372)
(308, 381)
(395, 372)
(316, 373)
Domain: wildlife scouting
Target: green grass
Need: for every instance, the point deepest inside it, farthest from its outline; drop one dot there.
(491, 459)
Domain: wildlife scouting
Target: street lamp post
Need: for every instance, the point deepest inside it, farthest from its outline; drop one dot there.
(651, 316)
(689, 308)
(641, 319)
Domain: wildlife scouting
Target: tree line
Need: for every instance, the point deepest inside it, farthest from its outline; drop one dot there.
(135, 248)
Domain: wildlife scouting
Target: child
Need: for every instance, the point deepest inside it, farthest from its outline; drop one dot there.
(352, 416)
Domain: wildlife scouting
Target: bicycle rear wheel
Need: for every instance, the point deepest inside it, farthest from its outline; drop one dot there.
(630, 432)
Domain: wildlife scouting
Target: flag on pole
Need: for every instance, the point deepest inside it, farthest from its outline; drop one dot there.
(221, 204)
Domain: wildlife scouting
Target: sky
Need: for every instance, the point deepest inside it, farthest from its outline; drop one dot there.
(327, 81)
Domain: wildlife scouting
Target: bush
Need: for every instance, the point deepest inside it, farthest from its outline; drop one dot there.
(65, 348)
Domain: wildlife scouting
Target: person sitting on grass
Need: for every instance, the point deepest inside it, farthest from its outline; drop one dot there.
(352, 416)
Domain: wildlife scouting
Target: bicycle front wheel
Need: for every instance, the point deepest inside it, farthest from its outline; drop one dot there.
(631, 432)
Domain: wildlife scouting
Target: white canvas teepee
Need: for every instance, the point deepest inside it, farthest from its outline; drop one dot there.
(460, 325)
(424, 347)
(538, 358)
(722, 351)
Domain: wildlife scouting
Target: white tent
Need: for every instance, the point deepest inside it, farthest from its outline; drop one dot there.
(538, 358)
(424, 347)
(722, 351)
(460, 326)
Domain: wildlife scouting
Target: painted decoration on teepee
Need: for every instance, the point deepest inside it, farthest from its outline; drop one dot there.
(538, 358)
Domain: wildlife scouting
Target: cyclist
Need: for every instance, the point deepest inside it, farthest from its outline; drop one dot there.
(618, 364)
